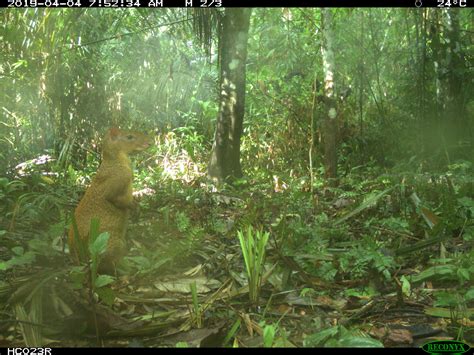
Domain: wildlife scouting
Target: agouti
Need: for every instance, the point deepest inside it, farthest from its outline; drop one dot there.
(109, 197)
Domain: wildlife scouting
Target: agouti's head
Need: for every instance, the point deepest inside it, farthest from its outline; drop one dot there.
(118, 140)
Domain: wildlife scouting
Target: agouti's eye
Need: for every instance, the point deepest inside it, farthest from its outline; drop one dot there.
(129, 137)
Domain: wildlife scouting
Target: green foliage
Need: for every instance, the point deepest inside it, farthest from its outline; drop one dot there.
(19, 258)
(29, 201)
(467, 207)
(269, 335)
(406, 286)
(339, 336)
(367, 256)
(31, 220)
(327, 271)
(182, 221)
(231, 333)
(449, 299)
(253, 245)
(365, 292)
(197, 311)
(448, 271)
(275, 335)
(458, 304)
(89, 256)
(97, 243)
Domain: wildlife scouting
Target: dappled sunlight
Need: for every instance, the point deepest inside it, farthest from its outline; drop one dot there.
(35, 165)
(180, 167)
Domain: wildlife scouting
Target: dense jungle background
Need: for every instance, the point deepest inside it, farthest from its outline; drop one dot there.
(309, 180)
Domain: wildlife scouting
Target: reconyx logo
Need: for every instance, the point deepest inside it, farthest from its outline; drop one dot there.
(445, 347)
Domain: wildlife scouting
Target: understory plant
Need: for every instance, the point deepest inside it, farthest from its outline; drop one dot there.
(253, 245)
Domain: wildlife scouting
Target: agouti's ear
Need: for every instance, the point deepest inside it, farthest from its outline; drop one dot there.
(114, 132)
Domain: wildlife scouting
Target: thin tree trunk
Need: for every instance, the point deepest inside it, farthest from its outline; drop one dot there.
(225, 156)
(376, 51)
(424, 123)
(361, 72)
(329, 125)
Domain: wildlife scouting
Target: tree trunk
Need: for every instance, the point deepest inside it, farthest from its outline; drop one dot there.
(225, 156)
(329, 126)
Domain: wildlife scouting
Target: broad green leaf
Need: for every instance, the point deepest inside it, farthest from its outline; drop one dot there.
(106, 294)
(268, 335)
(231, 332)
(438, 272)
(464, 274)
(99, 246)
(446, 312)
(103, 280)
(352, 341)
(367, 203)
(319, 338)
(406, 287)
(469, 296)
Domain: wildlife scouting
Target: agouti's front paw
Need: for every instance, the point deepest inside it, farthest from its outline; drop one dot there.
(123, 202)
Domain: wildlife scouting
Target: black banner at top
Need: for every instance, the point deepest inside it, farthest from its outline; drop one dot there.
(234, 3)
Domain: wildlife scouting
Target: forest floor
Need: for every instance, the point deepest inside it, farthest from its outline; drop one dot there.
(367, 263)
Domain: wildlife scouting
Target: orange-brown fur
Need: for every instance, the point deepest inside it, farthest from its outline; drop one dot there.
(109, 197)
